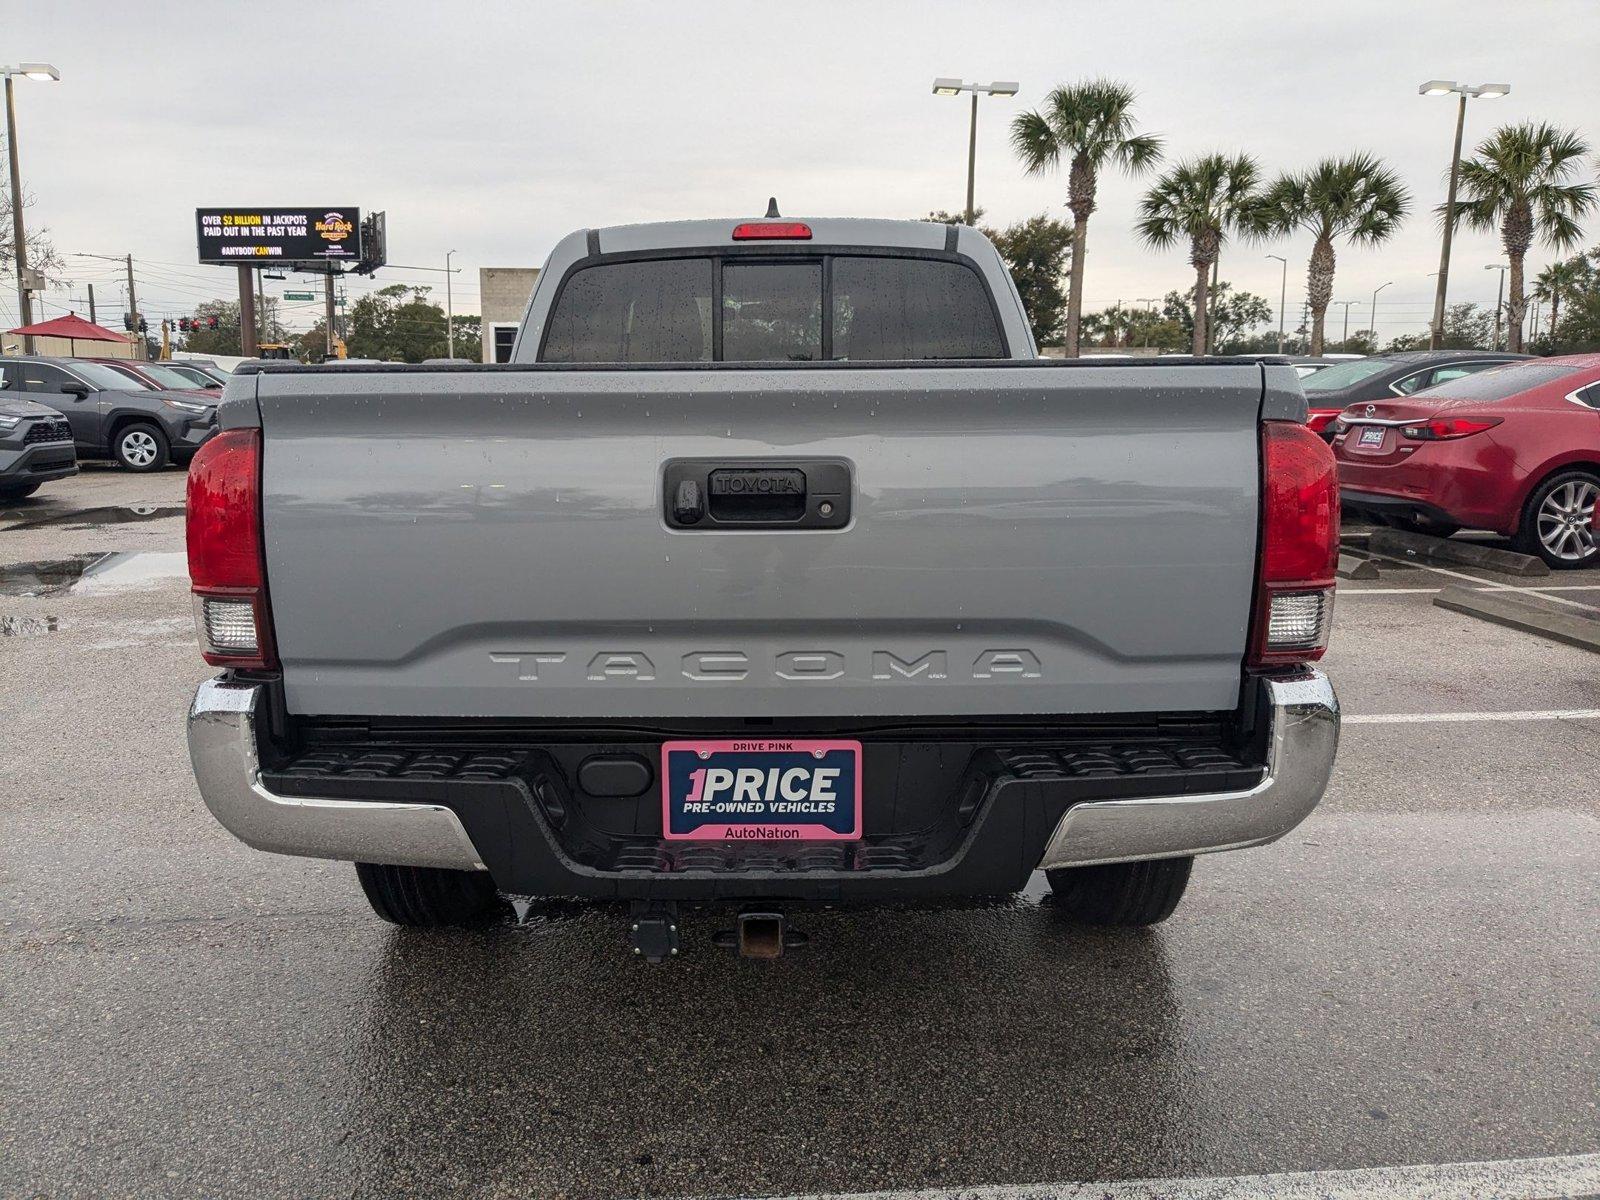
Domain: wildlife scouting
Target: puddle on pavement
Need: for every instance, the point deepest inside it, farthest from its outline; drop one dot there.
(92, 518)
(91, 574)
(28, 626)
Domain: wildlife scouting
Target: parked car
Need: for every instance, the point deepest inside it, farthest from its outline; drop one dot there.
(1515, 450)
(1304, 364)
(35, 445)
(1385, 376)
(166, 376)
(765, 627)
(201, 368)
(114, 415)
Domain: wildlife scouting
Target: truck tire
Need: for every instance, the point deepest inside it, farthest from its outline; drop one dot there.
(1136, 893)
(1555, 521)
(427, 897)
(140, 446)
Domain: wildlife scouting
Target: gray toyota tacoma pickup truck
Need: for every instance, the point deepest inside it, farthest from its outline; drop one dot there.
(775, 569)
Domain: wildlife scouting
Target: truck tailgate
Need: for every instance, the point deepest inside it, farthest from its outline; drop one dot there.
(1023, 540)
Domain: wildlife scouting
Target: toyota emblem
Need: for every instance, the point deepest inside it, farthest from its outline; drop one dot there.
(1371, 408)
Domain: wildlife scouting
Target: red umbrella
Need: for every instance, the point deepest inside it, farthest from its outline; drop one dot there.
(72, 327)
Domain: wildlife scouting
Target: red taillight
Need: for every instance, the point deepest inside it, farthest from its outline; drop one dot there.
(1299, 546)
(1320, 418)
(761, 231)
(1442, 429)
(225, 561)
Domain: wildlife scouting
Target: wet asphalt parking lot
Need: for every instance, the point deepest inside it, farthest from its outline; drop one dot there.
(1410, 978)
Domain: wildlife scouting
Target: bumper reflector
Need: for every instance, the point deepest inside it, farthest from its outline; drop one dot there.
(227, 627)
(1299, 620)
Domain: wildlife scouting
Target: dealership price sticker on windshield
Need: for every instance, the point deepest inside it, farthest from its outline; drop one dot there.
(761, 790)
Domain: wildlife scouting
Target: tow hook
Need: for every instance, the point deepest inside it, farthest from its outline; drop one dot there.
(760, 935)
(653, 930)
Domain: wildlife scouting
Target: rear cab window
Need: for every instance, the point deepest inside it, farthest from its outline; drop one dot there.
(834, 305)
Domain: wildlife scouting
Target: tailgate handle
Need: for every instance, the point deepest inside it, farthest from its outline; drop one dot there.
(757, 495)
(710, 494)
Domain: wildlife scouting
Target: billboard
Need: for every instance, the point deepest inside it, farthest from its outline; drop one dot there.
(234, 236)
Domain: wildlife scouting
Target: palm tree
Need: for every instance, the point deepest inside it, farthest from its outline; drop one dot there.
(1091, 126)
(1203, 200)
(1357, 198)
(1521, 180)
(1554, 284)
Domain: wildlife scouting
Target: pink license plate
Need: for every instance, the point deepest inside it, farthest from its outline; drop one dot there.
(761, 790)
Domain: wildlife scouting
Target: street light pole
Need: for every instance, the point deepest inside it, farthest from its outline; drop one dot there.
(1445, 87)
(954, 87)
(1499, 304)
(1374, 325)
(43, 72)
(449, 304)
(1283, 297)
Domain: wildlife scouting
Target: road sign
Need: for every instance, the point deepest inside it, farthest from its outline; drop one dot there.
(299, 295)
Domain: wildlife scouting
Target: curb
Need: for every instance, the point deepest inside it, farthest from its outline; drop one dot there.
(1514, 612)
(1351, 567)
(1400, 544)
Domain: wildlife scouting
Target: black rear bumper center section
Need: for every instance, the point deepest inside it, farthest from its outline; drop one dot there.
(941, 817)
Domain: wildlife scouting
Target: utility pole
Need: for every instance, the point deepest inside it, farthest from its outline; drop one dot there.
(327, 310)
(92, 320)
(449, 305)
(1344, 343)
(133, 309)
(261, 307)
(248, 345)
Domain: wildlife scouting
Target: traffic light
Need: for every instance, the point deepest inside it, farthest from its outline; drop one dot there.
(127, 322)
(213, 322)
(183, 324)
(144, 325)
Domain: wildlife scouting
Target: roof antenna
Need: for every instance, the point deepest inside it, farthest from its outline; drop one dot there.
(772, 208)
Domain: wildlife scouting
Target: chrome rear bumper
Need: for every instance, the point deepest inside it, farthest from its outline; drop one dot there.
(222, 746)
(1302, 739)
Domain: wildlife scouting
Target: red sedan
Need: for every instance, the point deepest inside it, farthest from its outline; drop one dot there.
(1515, 449)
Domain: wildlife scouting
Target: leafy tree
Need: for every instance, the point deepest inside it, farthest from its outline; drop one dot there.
(1468, 327)
(1090, 125)
(1357, 198)
(397, 323)
(1362, 341)
(1230, 317)
(469, 337)
(1555, 283)
(1579, 329)
(1201, 200)
(1035, 253)
(1407, 341)
(1521, 179)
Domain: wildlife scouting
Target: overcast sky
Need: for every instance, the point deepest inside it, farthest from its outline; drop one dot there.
(494, 128)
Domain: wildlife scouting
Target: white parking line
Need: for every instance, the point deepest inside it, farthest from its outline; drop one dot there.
(1485, 585)
(1531, 714)
(1493, 587)
(1503, 1179)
